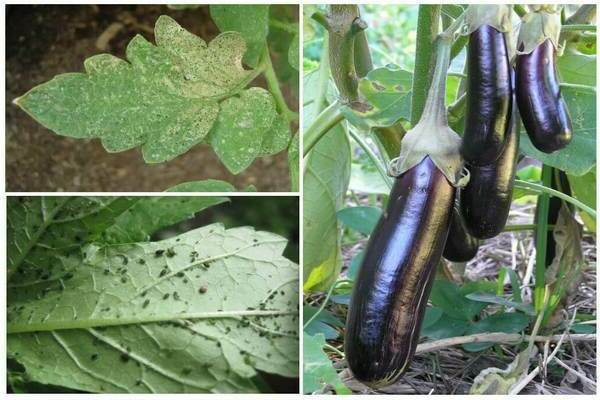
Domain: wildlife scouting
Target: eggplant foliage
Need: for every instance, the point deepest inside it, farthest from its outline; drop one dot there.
(94, 306)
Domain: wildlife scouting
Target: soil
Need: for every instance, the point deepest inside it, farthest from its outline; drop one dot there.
(43, 41)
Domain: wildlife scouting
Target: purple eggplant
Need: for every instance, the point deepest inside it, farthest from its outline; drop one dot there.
(489, 96)
(395, 277)
(461, 246)
(543, 110)
(485, 201)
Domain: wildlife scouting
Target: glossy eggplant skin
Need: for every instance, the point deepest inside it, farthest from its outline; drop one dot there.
(485, 201)
(489, 96)
(543, 110)
(395, 278)
(461, 246)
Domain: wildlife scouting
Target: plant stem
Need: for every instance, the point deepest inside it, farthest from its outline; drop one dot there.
(322, 307)
(578, 28)
(538, 189)
(273, 84)
(335, 350)
(427, 29)
(326, 120)
(519, 9)
(287, 27)
(372, 156)
(541, 235)
(580, 88)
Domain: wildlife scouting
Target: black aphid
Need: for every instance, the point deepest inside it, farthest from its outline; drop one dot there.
(170, 252)
(141, 261)
(158, 253)
(94, 357)
(146, 303)
(186, 371)
(123, 279)
(124, 357)
(163, 273)
(202, 289)
(166, 296)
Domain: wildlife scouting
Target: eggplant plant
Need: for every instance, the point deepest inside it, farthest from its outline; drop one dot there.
(102, 299)
(169, 96)
(409, 169)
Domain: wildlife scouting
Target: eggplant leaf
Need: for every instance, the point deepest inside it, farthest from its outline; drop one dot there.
(199, 312)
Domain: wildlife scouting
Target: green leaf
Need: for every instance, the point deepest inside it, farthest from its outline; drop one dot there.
(294, 52)
(318, 370)
(579, 156)
(493, 299)
(362, 218)
(583, 328)
(577, 68)
(294, 162)
(449, 297)
(151, 214)
(502, 322)
(251, 21)
(325, 323)
(326, 177)
(432, 315)
(243, 122)
(366, 179)
(164, 99)
(277, 138)
(444, 327)
(384, 98)
(355, 265)
(199, 312)
(209, 185)
(38, 226)
(584, 190)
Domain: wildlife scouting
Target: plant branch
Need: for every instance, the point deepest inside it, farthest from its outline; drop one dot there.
(496, 337)
(326, 120)
(536, 188)
(374, 159)
(273, 84)
(427, 30)
(541, 235)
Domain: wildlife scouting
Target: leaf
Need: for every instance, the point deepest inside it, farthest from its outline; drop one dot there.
(502, 322)
(277, 138)
(318, 370)
(445, 327)
(151, 214)
(384, 98)
(577, 68)
(294, 162)
(493, 299)
(199, 312)
(584, 190)
(294, 51)
(39, 226)
(501, 381)
(362, 218)
(325, 323)
(432, 315)
(447, 296)
(251, 21)
(579, 157)
(365, 179)
(325, 274)
(355, 265)
(238, 134)
(326, 176)
(583, 328)
(164, 99)
(208, 185)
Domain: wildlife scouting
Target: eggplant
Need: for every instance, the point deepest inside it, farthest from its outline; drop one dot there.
(489, 96)
(396, 274)
(543, 110)
(485, 201)
(461, 246)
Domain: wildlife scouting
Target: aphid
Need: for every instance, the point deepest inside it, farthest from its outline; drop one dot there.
(158, 253)
(163, 273)
(124, 357)
(170, 252)
(166, 296)
(146, 303)
(186, 371)
(141, 261)
(202, 289)
(123, 279)
(94, 357)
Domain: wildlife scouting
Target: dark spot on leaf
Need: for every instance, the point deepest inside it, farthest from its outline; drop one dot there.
(361, 106)
(123, 279)
(158, 253)
(106, 271)
(166, 296)
(186, 371)
(68, 276)
(163, 273)
(124, 357)
(203, 289)
(378, 86)
(146, 303)
(141, 261)
(180, 274)
(94, 357)
(170, 252)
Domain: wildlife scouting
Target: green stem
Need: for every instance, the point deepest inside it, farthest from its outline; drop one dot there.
(578, 28)
(335, 350)
(275, 89)
(427, 30)
(519, 9)
(322, 307)
(372, 156)
(539, 189)
(580, 88)
(326, 120)
(284, 26)
(541, 235)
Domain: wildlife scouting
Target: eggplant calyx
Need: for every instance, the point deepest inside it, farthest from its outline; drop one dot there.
(432, 136)
(538, 26)
(498, 16)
